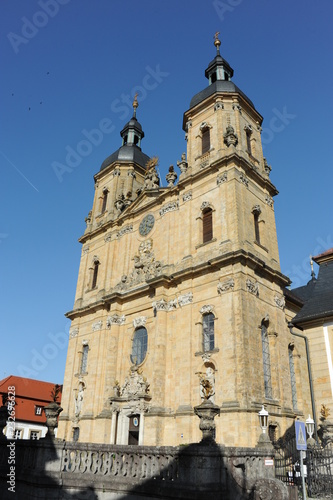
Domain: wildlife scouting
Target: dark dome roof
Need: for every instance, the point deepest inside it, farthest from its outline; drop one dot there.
(127, 153)
(218, 86)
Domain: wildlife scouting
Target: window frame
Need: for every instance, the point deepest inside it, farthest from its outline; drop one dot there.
(205, 140)
(208, 332)
(207, 225)
(139, 346)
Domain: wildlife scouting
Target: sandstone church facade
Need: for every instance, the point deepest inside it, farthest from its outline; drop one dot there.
(184, 281)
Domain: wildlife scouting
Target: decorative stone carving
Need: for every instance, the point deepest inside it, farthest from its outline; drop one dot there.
(252, 287)
(152, 180)
(237, 107)
(205, 204)
(256, 209)
(244, 179)
(280, 301)
(226, 286)
(169, 207)
(85, 249)
(124, 230)
(135, 385)
(218, 105)
(185, 299)
(145, 267)
(207, 411)
(187, 196)
(73, 332)
(188, 125)
(206, 309)
(230, 138)
(163, 305)
(52, 411)
(116, 172)
(131, 173)
(269, 201)
(267, 167)
(120, 203)
(171, 177)
(97, 326)
(207, 384)
(221, 178)
(88, 219)
(204, 164)
(206, 357)
(107, 237)
(78, 398)
(140, 321)
(139, 406)
(115, 319)
(183, 165)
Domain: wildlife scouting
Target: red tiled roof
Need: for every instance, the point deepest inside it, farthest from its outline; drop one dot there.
(29, 393)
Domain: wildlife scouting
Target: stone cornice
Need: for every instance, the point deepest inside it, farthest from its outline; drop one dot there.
(175, 277)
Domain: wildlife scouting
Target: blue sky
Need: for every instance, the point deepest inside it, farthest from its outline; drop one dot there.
(71, 66)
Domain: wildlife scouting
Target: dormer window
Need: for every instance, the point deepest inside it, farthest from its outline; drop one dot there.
(205, 140)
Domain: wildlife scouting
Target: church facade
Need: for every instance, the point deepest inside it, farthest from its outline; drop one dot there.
(181, 284)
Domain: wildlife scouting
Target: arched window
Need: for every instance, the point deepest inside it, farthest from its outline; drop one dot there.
(256, 210)
(292, 376)
(95, 275)
(208, 340)
(205, 140)
(266, 361)
(207, 225)
(139, 346)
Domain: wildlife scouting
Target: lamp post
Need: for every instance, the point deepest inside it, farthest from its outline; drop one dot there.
(310, 425)
(264, 441)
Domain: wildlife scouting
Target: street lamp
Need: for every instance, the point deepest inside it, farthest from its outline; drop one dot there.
(263, 419)
(309, 422)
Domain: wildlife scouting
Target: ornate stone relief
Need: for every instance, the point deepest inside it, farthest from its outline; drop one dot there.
(116, 172)
(280, 301)
(125, 230)
(230, 138)
(73, 332)
(145, 267)
(267, 167)
(204, 164)
(206, 357)
(115, 319)
(185, 299)
(107, 237)
(205, 204)
(163, 305)
(169, 207)
(152, 180)
(85, 249)
(135, 385)
(252, 287)
(269, 201)
(226, 286)
(256, 209)
(187, 196)
(221, 178)
(97, 326)
(237, 107)
(207, 309)
(139, 321)
(183, 165)
(244, 179)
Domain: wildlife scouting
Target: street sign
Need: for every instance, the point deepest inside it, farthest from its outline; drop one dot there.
(300, 435)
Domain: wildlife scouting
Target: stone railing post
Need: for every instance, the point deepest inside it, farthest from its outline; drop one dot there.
(207, 411)
(52, 412)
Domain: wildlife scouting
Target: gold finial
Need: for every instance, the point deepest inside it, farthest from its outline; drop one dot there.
(217, 42)
(135, 104)
(152, 163)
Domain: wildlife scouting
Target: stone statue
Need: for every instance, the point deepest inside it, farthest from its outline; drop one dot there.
(207, 384)
(79, 399)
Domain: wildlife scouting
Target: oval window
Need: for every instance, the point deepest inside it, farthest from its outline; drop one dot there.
(139, 347)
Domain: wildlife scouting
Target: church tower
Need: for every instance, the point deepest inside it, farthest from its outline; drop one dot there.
(182, 283)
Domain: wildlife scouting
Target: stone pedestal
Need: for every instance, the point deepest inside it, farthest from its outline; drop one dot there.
(207, 411)
(264, 442)
(52, 412)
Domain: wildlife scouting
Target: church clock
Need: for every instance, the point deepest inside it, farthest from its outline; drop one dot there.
(146, 224)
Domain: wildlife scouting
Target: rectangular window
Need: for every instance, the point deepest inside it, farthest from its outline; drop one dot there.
(104, 202)
(84, 359)
(208, 332)
(207, 226)
(34, 435)
(205, 141)
(95, 274)
(256, 228)
(38, 410)
(292, 378)
(266, 362)
(18, 434)
(76, 434)
(248, 141)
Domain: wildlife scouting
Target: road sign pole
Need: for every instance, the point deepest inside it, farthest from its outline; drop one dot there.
(302, 474)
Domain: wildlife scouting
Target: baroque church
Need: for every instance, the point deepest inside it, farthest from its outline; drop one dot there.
(183, 283)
